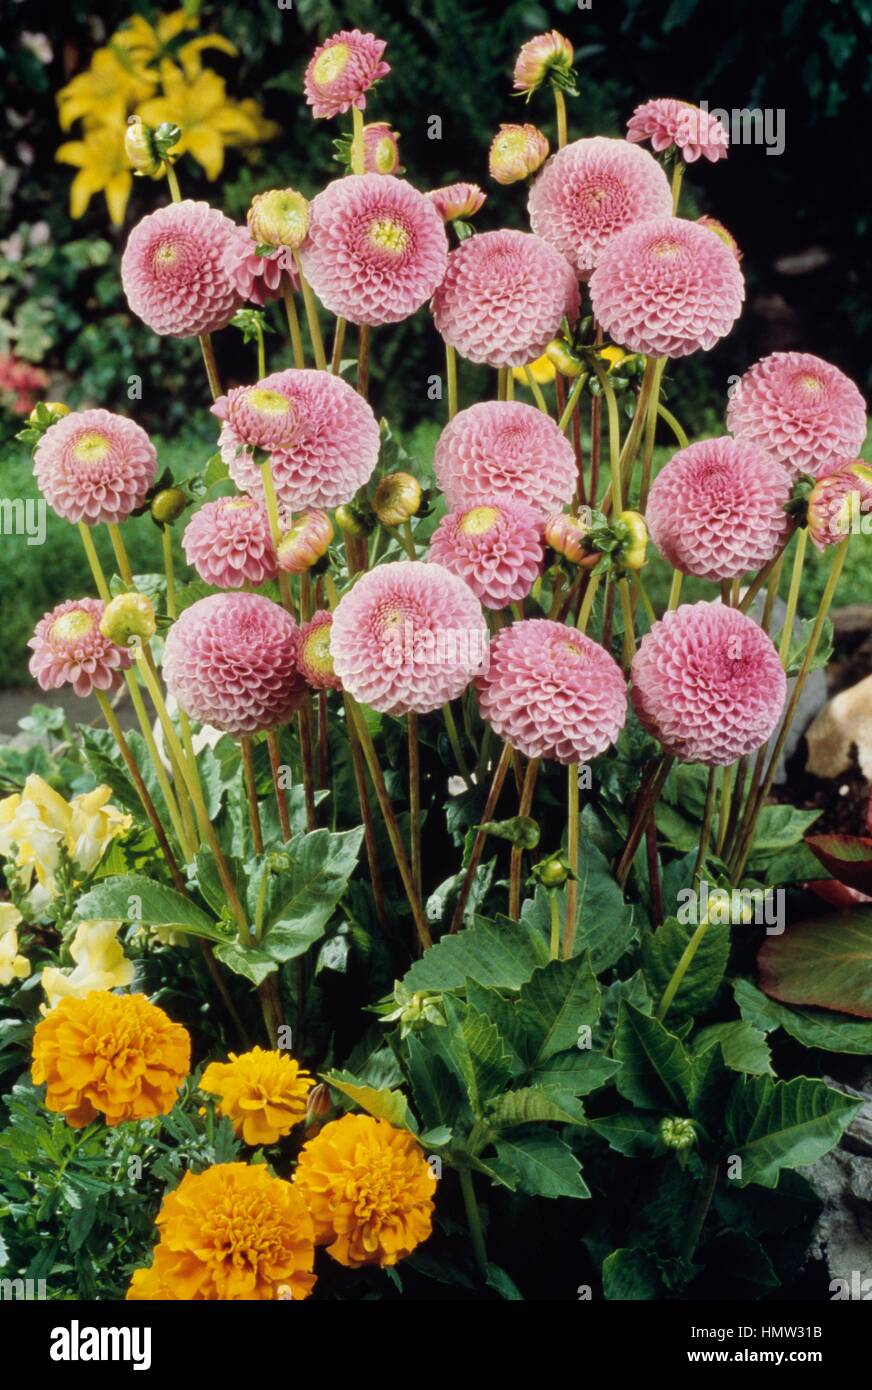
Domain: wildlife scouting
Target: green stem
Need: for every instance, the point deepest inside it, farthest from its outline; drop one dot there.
(363, 345)
(338, 345)
(251, 794)
(451, 372)
(293, 319)
(705, 831)
(478, 843)
(793, 595)
(173, 182)
(120, 551)
(670, 420)
(560, 109)
(572, 832)
(414, 798)
(554, 950)
(473, 1218)
(517, 854)
(614, 489)
(94, 562)
(357, 153)
(208, 352)
(261, 349)
(537, 392)
(675, 590)
(571, 401)
(456, 745)
(677, 176)
(311, 316)
(166, 536)
(584, 612)
(699, 1211)
(651, 430)
(629, 635)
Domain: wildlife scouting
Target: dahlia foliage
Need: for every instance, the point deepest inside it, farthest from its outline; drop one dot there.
(416, 773)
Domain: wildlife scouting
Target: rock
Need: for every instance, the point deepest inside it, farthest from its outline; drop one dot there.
(843, 1182)
(845, 720)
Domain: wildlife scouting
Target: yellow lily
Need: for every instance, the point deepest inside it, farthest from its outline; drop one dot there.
(208, 120)
(104, 93)
(103, 167)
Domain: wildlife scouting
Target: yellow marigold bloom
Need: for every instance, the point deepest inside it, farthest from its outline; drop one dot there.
(100, 963)
(12, 965)
(262, 1093)
(101, 159)
(208, 119)
(369, 1190)
(105, 92)
(233, 1233)
(542, 371)
(115, 1055)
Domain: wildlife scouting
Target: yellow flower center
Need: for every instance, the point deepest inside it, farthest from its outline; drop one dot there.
(573, 647)
(318, 652)
(71, 625)
(330, 64)
(384, 155)
(667, 249)
(811, 383)
(238, 504)
(269, 402)
(389, 235)
(479, 521)
(166, 253)
(91, 448)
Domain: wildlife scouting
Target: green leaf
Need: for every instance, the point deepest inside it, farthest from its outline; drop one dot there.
(579, 1071)
(771, 1125)
(847, 857)
(633, 1133)
(663, 949)
(779, 827)
(502, 953)
(301, 897)
(810, 1027)
(251, 962)
(557, 1000)
(543, 1164)
(603, 921)
(532, 1105)
(436, 1086)
(743, 1046)
(503, 1284)
(631, 1276)
(825, 961)
(655, 1069)
(133, 898)
(799, 646)
(381, 1102)
(478, 1051)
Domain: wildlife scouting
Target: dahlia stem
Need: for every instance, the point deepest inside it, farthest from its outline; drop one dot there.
(760, 579)
(311, 316)
(510, 384)
(454, 741)
(653, 859)
(166, 536)
(94, 562)
(554, 912)
(357, 152)
(596, 431)
(142, 791)
(646, 799)
(408, 540)
(572, 832)
(478, 843)
(323, 741)
(684, 963)
(451, 373)
(261, 349)
(363, 342)
(338, 345)
(271, 502)
(473, 1219)
(560, 109)
(173, 183)
(614, 489)
(293, 319)
(724, 813)
(270, 999)
(705, 831)
(208, 352)
(793, 595)
(517, 854)
(275, 762)
(587, 602)
(675, 589)
(651, 430)
(641, 593)
(677, 176)
(634, 434)
(669, 419)
(184, 833)
(629, 635)
(537, 392)
(121, 557)
(571, 400)
(502, 376)
(359, 766)
(414, 798)
(251, 794)
(304, 729)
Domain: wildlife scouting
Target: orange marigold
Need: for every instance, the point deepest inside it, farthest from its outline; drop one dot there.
(262, 1093)
(116, 1055)
(234, 1233)
(369, 1190)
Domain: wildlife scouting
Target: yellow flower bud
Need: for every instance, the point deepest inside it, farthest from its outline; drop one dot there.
(559, 352)
(397, 499)
(304, 544)
(140, 148)
(167, 505)
(279, 217)
(128, 616)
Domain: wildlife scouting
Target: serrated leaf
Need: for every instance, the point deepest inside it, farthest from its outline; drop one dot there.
(579, 1071)
(532, 1105)
(743, 1046)
(799, 646)
(810, 1027)
(501, 953)
(557, 1000)
(661, 952)
(133, 898)
(631, 1276)
(545, 1166)
(478, 1051)
(298, 901)
(771, 1125)
(655, 1069)
(381, 1102)
(604, 924)
(633, 1133)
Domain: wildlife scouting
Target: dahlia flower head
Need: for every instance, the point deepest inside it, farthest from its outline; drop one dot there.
(504, 297)
(457, 200)
(717, 509)
(505, 447)
(516, 152)
(552, 692)
(667, 287)
(94, 466)
(321, 435)
(341, 72)
(381, 149)
(228, 542)
(376, 248)
(408, 636)
(708, 683)
(495, 544)
(315, 659)
(230, 660)
(69, 649)
(838, 502)
(667, 122)
(804, 410)
(173, 270)
(546, 56)
(591, 190)
(257, 279)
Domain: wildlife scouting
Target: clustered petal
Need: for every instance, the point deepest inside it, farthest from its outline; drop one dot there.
(667, 287)
(95, 467)
(708, 683)
(495, 544)
(230, 661)
(376, 249)
(504, 297)
(69, 649)
(592, 189)
(173, 270)
(667, 122)
(228, 542)
(262, 1093)
(505, 447)
(408, 636)
(257, 279)
(316, 658)
(552, 692)
(717, 509)
(803, 409)
(838, 503)
(457, 200)
(342, 70)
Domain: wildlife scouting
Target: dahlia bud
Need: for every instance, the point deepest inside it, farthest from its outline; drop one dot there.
(305, 543)
(560, 353)
(516, 151)
(836, 504)
(541, 369)
(56, 409)
(677, 1133)
(128, 616)
(279, 217)
(167, 505)
(547, 57)
(553, 871)
(318, 1103)
(148, 149)
(381, 149)
(565, 534)
(720, 230)
(352, 520)
(632, 531)
(457, 200)
(397, 499)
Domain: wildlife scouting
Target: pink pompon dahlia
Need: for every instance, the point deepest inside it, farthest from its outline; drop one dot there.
(173, 270)
(329, 451)
(503, 298)
(457, 200)
(69, 649)
(551, 692)
(228, 542)
(717, 509)
(381, 149)
(231, 661)
(495, 545)
(838, 504)
(667, 287)
(801, 408)
(315, 659)
(408, 636)
(94, 466)
(505, 447)
(376, 248)
(342, 70)
(592, 189)
(667, 122)
(257, 279)
(708, 683)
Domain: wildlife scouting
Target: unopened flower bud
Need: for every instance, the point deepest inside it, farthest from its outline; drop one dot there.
(560, 353)
(397, 499)
(546, 57)
(565, 535)
(140, 148)
(128, 616)
(677, 1133)
(381, 149)
(720, 230)
(516, 151)
(279, 217)
(305, 542)
(838, 503)
(318, 1104)
(553, 871)
(56, 410)
(457, 200)
(168, 504)
(352, 521)
(635, 540)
